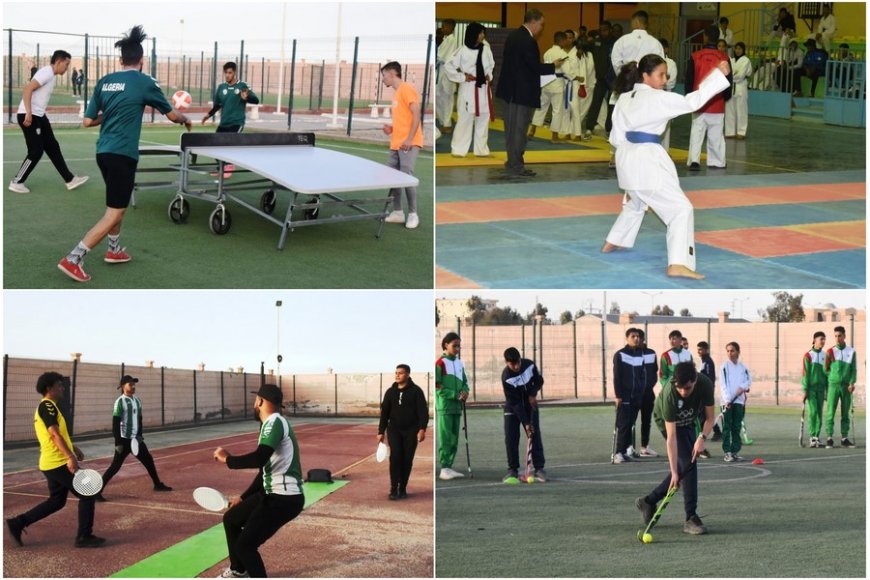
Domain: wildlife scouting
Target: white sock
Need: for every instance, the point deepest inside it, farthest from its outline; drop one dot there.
(114, 243)
(78, 253)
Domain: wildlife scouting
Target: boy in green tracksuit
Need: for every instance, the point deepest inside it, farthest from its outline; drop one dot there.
(673, 357)
(815, 385)
(451, 391)
(231, 98)
(841, 363)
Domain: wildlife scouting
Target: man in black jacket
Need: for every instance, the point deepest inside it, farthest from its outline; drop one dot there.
(651, 364)
(519, 86)
(521, 382)
(600, 48)
(708, 369)
(629, 385)
(404, 417)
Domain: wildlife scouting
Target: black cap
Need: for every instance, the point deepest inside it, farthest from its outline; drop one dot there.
(127, 379)
(271, 393)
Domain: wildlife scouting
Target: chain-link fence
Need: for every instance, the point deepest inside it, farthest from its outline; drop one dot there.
(314, 76)
(184, 396)
(576, 359)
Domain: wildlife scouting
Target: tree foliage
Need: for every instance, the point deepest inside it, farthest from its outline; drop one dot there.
(662, 310)
(785, 308)
(685, 312)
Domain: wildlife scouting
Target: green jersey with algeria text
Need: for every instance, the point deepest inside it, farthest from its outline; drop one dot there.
(282, 474)
(232, 107)
(129, 409)
(122, 97)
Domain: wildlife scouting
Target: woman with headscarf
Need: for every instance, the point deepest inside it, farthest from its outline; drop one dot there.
(472, 67)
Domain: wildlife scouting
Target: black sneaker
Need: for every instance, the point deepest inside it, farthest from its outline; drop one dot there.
(695, 526)
(162, 487)
(846, 443)
(829, 443)
(99, 497)
(394, 494)
(695, 167)
(646, 510)
(705, 454)
(403, 493)
(15, 528)
(717, 433)
(90, 541)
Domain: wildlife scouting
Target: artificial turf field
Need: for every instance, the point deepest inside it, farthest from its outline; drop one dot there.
(39, 228)
(801, 514)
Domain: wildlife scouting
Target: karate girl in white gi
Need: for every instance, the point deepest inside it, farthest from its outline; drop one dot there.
(471, 67)
(580, 69)
(737, 108)
(643, 167)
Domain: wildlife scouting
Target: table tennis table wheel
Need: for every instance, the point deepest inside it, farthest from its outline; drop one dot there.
(220, 221)
(179, 210)
(268, 201)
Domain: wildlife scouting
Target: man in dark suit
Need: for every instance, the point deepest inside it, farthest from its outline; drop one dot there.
(520, 87)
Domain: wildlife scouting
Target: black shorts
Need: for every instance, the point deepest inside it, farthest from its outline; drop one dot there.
(119, 173)
(230, 129)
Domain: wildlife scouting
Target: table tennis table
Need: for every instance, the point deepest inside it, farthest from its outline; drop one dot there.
(273, 162)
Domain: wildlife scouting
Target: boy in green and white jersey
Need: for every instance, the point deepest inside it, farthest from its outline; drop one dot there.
(841, 364)
(814, 382)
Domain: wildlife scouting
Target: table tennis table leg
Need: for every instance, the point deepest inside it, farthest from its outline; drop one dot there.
(286, 226)
(383, 217)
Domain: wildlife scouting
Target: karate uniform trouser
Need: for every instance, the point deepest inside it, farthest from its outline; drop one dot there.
(689, 485)
(403, 446)
(711, 125)
(732, 420)
(626, 416)
(599, 97)
(674, 209)
(556, 99)
(579, 110)
(512, 429)
(445, 98)
(469, 125)
(448, 437)
(516, 127)
(815, 404)
(666, 137)
(646, 411)
(737, 114)
(837, 393)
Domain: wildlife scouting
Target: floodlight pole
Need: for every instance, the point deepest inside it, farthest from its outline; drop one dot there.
(281, 69)
(278, 339)
(334, 123)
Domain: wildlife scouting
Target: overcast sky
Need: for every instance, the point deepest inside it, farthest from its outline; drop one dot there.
(699, 302)
(348, 331)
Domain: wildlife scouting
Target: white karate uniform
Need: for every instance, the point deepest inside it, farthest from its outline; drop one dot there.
(737, 109)
(646, 172)
(669, 86)
(471, 118)
(445, 94)
(728, 37)
(553, 94)
(578, 67)
(632, 47)
(827, 28)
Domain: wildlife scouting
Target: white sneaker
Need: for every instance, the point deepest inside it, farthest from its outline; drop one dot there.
(729, 458)
(230, 573)
(18, 187)
(446, 474)
(396, 217)
(631, 451)
(412, 222)
(76, 181)
(619, 458)
(648, 452)
(455, 473)
(587, 136)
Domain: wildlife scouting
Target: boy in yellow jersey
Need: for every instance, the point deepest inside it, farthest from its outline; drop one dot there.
(58, 461)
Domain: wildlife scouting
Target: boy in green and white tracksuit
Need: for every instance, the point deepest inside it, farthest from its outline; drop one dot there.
(815, 385)
(451, 391)
(841, 363)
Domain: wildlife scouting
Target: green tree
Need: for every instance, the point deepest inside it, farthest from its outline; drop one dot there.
(498, 315)
(685, 312)
(785, 308)
(566, 317)
(662, 310)
(614, 308)
(579, 314)
(540, 310)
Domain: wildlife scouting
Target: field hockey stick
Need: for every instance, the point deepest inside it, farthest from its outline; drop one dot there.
(852, 421)
(613, 450)
(467, 452)
(664, 503)
(528, 459)
(744, 434)
(803, 424)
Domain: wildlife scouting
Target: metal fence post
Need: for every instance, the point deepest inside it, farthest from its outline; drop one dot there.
(541, 351)
(335, 377)
(222, 395)
(244, 395)
(292, 85)
(153, 67)
(162, 396)
(473, 360)
(9, 103)
(776, 372)
(242, 60)
(380, 390)
(263, 76)
(262, 373)
(523, 339)
(603, 359)
(574, 353)
(201, 71)
(72, 396)
(426, 79)
(5, 391)
(214, 61)
(87, 69)
(195, 418)
(295, 406)
(352, 83)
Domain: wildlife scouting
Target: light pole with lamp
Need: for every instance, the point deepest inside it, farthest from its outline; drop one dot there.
(278, 339)
(652, 300)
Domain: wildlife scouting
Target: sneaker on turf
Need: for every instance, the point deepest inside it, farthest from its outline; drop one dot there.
(118, 257)
(15, 528)
(632, 452)
(396, 217)
(646, 510)
(74, 271)
(814, 441)
(455, 473)
(18, 187)
(445, 474)
(540, 476)
(76, 181)
(511, 477)
(412, 222)
(89, 541)
(695, 526)
(230, 573)
(648, 452)
(737, 457)
(829, 443)
(729, 458)
(620, 458)
(705, 454)
(846, 443)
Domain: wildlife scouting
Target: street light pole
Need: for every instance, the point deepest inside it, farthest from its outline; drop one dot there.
(652, 300)
(278, 339)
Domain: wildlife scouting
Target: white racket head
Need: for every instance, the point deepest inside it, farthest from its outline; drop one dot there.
(88, 482)
(383, 452)
(134, 446)
(210, 499)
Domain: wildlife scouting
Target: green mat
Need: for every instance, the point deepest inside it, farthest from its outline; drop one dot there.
(190, 557)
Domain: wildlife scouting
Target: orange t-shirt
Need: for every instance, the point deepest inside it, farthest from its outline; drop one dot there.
(403, 117)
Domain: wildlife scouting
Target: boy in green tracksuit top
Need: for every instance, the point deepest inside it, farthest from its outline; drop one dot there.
(231, 98)
(815, 385)
(451, 391)
(841, 363)
(673, 357)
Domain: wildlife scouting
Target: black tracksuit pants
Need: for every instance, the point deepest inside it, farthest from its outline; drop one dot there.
(118, 460)
(60, 484)
(513, 427)
(251, 523)
(646, 411)
(403, 446)
(689, 485)
(40, 139)
(626, 415)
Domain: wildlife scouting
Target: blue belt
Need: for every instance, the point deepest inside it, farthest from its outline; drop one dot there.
(639, 137)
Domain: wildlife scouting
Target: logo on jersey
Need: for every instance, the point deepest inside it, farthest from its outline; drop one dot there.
(225, 91)
(680, 404)
(236, 91)
(52, 410)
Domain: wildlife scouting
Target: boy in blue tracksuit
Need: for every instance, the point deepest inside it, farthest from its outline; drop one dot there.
(629, 385)
(521, 382)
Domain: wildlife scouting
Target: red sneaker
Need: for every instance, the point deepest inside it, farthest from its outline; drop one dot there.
(118, 257)
(74, 271)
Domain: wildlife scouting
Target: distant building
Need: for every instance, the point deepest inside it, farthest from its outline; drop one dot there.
(830, 313)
